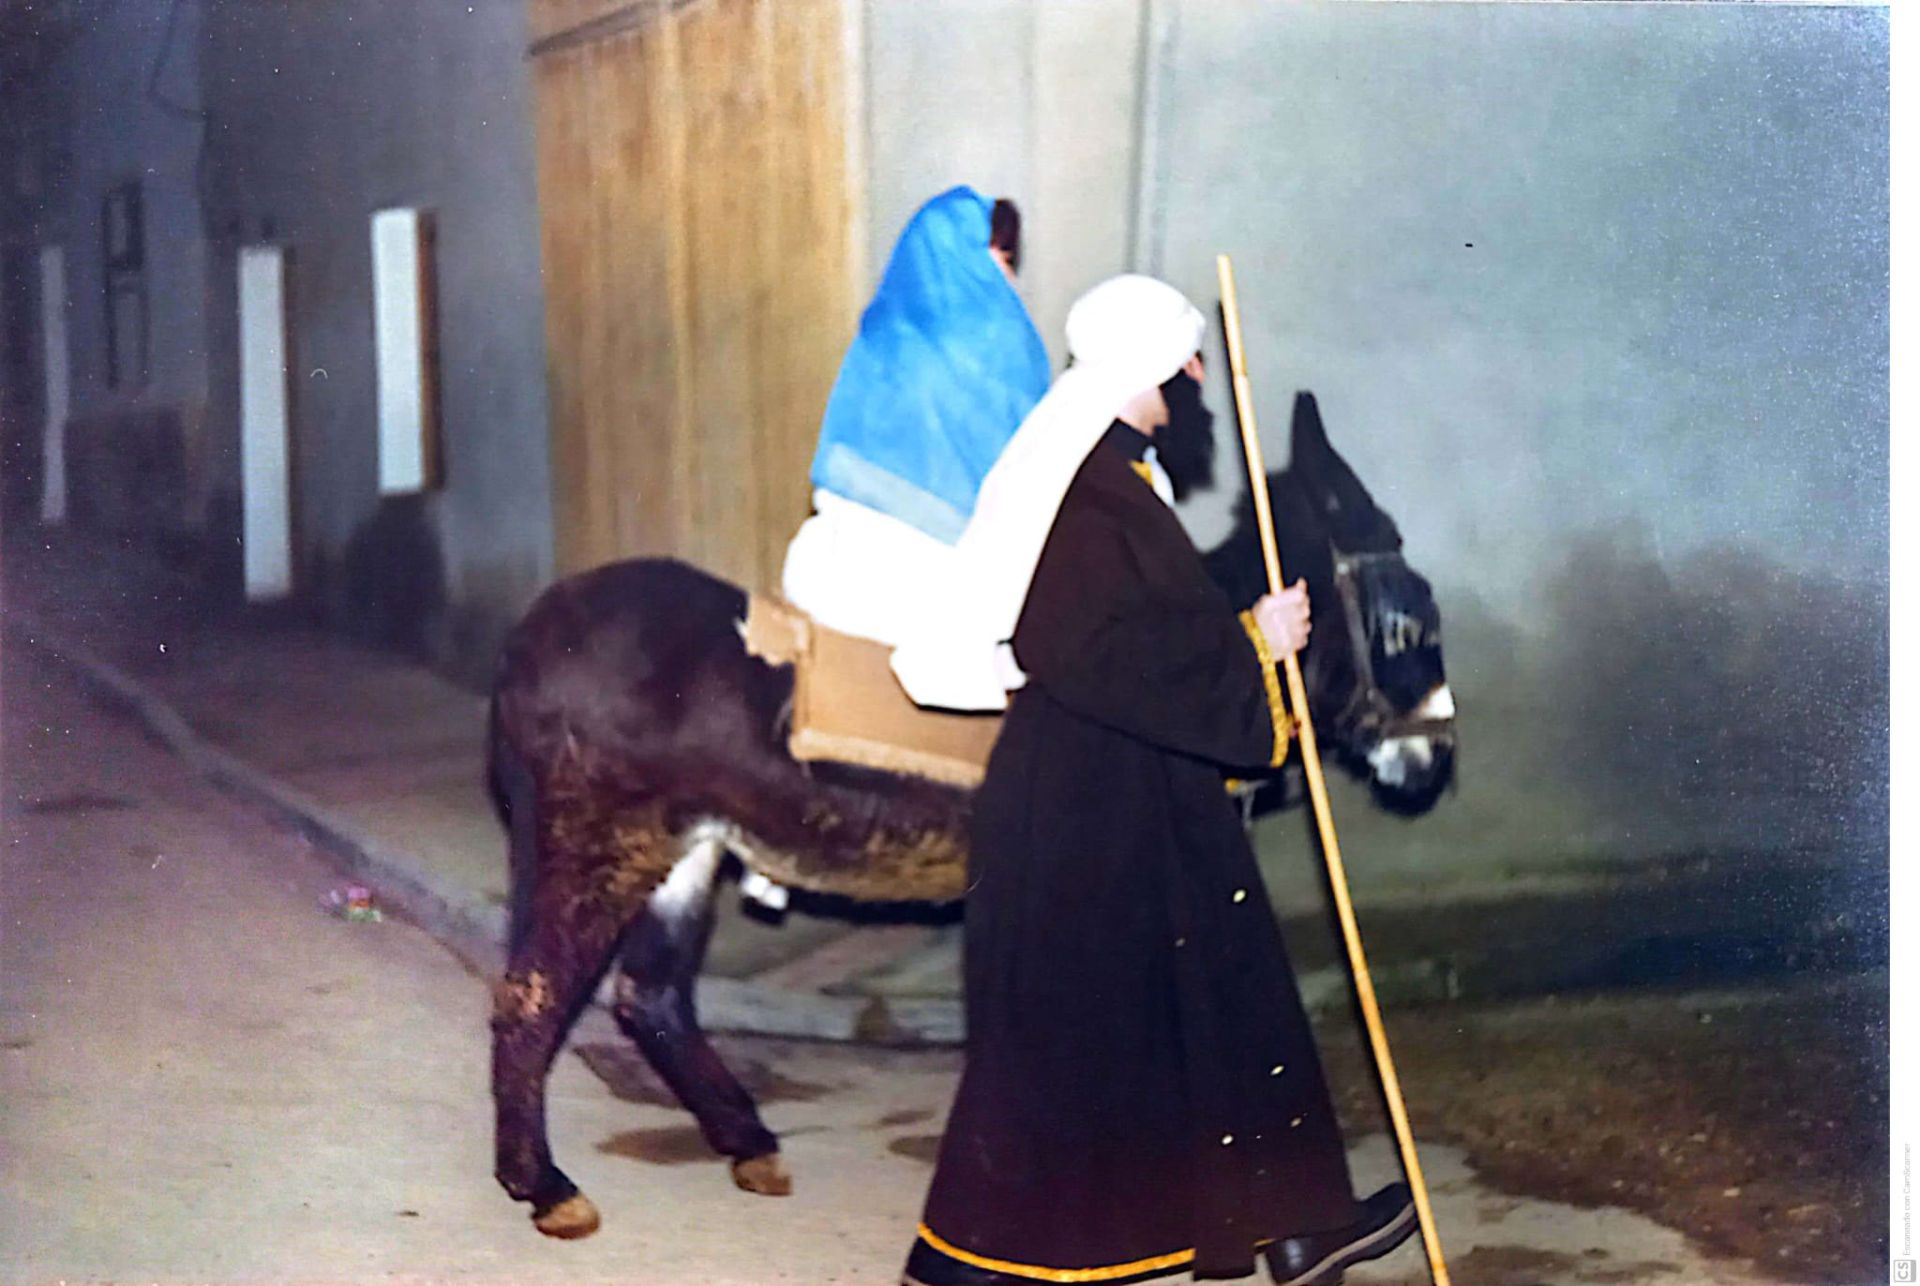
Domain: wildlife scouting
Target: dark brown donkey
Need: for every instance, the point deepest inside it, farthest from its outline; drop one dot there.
(635, 743)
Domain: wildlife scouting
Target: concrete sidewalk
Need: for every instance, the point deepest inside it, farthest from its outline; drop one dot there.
(379, 763)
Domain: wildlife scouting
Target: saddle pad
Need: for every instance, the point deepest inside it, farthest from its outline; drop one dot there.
(848, 708)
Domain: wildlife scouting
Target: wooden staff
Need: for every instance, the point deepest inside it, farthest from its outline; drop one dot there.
(1317, 784)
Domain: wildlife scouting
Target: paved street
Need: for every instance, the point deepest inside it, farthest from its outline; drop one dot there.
(207, 1077)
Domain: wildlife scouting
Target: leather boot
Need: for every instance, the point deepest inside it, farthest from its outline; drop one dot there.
(1387, 1219)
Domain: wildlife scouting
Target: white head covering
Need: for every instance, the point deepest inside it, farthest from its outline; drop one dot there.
(1127, 334)
(1136, 327)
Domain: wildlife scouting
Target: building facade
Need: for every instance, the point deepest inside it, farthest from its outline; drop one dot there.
(1594, 298)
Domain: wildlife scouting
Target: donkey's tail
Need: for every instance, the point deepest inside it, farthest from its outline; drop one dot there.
(515, 795)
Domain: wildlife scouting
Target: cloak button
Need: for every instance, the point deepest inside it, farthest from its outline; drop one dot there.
(1179, 942)
(1239, 895)
(1277, 1069)
(1297, 1120)
(1226, 1139)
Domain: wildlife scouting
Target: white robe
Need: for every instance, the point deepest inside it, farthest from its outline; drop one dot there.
(1128, 334)
(863, 572)
(866, 573)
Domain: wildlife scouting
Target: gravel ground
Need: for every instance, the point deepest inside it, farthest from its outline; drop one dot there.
(1754, 1122)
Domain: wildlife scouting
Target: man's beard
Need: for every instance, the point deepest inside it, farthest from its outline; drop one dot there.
(1185, 442)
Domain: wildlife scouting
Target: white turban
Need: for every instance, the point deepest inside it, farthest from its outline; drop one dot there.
(1140, 328)
(1128, 334)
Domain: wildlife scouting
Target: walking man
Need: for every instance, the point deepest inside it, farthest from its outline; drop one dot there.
(1142, 1096)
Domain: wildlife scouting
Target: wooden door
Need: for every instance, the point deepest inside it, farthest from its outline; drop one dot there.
(696, 235)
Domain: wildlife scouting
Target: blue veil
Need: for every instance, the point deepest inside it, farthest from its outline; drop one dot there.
(945, 367)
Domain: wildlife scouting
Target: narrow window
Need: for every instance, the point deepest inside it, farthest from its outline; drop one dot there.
(403, 325)
(124, 252)
(56, 373)
(266, 493)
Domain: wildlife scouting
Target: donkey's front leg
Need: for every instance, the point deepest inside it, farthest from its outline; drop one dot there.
(660, 962)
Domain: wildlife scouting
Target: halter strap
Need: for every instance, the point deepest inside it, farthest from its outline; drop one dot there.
(1368, 707)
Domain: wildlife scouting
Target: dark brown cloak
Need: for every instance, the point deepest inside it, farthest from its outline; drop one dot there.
(1142, 1094)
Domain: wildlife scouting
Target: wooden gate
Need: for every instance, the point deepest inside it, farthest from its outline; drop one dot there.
(696, 234)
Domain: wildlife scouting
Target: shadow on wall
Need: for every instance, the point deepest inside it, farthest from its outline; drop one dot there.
(389, 588)
(1724, 702)
(390, 591)
(127, 474)
(1714, 706)
(473, 629)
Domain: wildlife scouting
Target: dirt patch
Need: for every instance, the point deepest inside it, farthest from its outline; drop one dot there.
(1513, 1266)
(1694, 920)
(1753, 1123)
(1649, 1270)
(1530, 1266)
(627, 1075)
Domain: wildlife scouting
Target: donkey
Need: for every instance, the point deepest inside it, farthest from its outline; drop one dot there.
(634, 743)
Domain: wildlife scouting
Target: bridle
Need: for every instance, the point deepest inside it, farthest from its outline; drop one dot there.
(1368, 712)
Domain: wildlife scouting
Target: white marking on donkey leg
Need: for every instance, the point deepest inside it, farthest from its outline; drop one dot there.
(691, 879)
(683, 893)
(689, 882)
(692, 876)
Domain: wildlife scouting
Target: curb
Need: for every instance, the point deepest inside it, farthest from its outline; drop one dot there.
(472, 929)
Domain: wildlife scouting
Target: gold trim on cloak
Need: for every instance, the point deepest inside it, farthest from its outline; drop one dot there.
(1276, 704)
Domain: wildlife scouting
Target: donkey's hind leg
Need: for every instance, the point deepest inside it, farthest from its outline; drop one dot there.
(572, 917)
(660, 962)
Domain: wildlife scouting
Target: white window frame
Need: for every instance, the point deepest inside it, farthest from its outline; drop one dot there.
(403, 365)
(266, 477)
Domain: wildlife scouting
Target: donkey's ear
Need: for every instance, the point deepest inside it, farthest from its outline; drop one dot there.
(1309, 432)
(1355, 521)
(1314, 458)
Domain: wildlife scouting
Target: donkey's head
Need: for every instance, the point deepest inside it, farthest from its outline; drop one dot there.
(1373, 670)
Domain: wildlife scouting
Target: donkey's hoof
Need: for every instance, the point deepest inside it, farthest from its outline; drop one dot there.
(570, 1220)
(766, 1175)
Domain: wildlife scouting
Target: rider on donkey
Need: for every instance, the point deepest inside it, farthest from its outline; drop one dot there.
(945, 366)
(1142, 1095)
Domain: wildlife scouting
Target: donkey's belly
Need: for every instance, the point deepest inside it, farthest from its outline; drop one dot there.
(926, 865)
